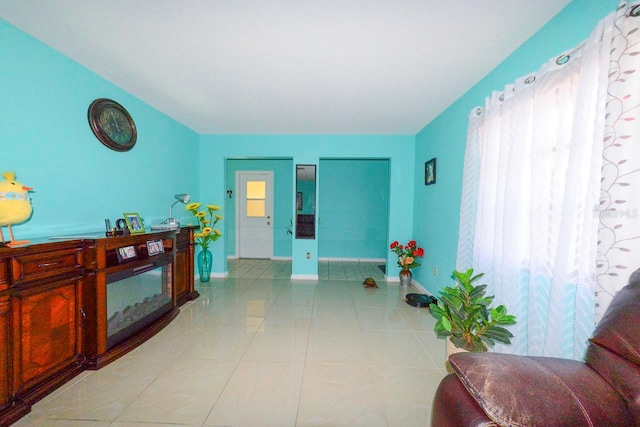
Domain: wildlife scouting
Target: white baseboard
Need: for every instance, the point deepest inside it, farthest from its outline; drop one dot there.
(220, 275)
(419, 287)
(415, 284)
(304, 277)
(288, 258)
(354, 259)
(274, 258)
(214, 275)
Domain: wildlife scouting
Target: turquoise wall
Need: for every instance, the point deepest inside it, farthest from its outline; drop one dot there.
(78, 182)
(437, 207)
(282, 200)
(354, 218)
(46, 140)
(309, 149)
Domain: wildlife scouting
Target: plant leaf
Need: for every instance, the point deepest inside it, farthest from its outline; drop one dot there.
(446, 324)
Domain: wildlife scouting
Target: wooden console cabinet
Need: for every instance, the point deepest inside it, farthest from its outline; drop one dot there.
(53, 320)
(7, 405)
(104, 262)
(42, 309)
(184, 262)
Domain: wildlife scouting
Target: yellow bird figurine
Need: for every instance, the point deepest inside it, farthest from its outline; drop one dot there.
(15, 205)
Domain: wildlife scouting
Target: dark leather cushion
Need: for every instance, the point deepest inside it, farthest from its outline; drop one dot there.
(619, 329)
(539, 391)
(615, 347)
(453, 406)
(623, 375)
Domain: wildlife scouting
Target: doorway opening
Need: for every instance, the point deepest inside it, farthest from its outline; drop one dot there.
(353, 213)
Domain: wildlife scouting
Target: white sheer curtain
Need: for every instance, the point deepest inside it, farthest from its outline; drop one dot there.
(619, 234)
(531, 191)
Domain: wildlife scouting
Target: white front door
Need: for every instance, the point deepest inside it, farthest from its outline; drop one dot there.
(255, 214)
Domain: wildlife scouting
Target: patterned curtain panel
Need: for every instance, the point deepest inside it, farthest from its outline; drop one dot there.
(534, 199)
(619, 236)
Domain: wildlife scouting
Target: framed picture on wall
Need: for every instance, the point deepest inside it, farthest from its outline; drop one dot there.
(430, 172)
(299, 200)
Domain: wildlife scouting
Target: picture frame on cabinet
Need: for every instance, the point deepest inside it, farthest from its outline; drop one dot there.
(155, 247)
(126, 253)
(134, 223)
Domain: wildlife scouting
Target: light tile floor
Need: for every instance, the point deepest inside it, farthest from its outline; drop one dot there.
(259, 349)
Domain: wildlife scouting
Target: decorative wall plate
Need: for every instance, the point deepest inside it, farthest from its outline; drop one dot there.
(112, 124)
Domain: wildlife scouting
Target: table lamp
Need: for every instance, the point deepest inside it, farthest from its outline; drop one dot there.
(172, 222)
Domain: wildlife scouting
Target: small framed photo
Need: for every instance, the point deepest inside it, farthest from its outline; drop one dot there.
(134, 223)
(126, 253)
(430, 172)
(155, 247)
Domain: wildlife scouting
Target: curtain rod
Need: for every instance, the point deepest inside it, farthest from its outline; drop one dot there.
(564, 58)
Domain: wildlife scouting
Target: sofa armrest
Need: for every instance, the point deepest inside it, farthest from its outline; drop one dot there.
(453, 406)
(539, 391)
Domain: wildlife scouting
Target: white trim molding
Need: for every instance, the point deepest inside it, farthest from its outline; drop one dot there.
(214, 275)
(304, 277)
(383, 260)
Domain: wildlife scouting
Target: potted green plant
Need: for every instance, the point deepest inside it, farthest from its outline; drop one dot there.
(465, 315)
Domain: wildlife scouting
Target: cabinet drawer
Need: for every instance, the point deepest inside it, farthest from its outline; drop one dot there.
(28, 268)
(4, 274)
(183, 239)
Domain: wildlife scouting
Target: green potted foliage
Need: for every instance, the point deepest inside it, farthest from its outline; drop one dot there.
(466, 318)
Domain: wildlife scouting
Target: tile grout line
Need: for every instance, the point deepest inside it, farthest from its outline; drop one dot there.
(306, 354)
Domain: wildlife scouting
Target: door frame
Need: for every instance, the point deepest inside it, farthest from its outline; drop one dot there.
(239, 173)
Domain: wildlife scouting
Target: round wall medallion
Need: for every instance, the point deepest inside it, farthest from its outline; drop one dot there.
(112, 124)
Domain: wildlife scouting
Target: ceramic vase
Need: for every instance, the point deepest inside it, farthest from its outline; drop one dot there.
(405, 277)
(205, 261)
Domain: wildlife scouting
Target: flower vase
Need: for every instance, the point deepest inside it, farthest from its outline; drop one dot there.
(405, 277)
(205, 261)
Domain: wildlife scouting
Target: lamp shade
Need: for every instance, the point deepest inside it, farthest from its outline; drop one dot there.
(181, 197)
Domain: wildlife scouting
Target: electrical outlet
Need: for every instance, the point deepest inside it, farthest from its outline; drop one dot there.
(308, 255)
(435, 271)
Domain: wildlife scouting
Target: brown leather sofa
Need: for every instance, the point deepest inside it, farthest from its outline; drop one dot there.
(491, 389)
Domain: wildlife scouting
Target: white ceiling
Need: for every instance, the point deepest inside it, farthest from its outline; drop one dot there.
(288, 66)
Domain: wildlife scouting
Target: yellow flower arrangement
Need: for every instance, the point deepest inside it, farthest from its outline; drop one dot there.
(207, 233)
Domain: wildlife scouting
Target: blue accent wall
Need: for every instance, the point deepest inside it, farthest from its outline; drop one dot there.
(354, 218)
(437, 207)
(78, 182)
(282, 200)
